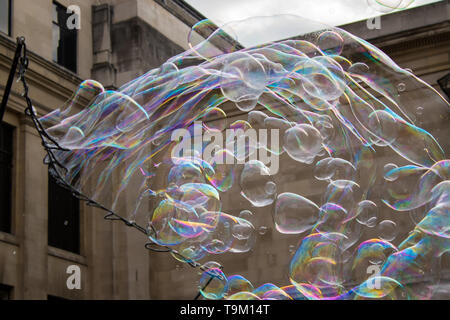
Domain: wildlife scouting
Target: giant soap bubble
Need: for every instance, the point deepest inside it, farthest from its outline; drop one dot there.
(317, 140)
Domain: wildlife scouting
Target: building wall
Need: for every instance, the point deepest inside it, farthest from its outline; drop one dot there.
(32, 20)
(118, 41)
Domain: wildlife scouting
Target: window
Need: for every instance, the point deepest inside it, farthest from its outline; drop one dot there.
(6, 163)
(64, 39)
(5, 292)
(63, 218)
(5, 16)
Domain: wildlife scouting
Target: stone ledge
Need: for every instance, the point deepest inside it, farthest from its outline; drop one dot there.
(59, 71)
(42, 74)
(8, 238)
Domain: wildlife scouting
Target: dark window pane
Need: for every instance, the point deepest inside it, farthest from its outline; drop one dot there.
(5, 16)
(64, 40)
(5, 292)
(63, 218)
(6, 157)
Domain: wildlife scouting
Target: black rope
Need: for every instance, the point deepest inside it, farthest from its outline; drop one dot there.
(50, 145)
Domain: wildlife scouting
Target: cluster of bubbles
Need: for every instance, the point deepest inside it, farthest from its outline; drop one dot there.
(342, 108)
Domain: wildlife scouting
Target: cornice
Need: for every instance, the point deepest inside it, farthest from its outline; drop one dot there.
(43, 75)
(190, 16)
(54, 68)
(431, 37)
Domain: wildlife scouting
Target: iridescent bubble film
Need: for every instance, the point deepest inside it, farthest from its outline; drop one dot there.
(311, 168)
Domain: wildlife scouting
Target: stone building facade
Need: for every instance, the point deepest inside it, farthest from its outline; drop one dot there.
(119, 40)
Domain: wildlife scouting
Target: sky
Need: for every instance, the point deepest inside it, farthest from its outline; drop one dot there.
(329, 12)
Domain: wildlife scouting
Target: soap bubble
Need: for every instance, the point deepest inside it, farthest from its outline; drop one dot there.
(386, 6)
(211, 265)
(373, 251)
(220, 239)
(185, 172)
(359, 70)
(243, 80)
(388, 230)
(242, 230)
(344, 193)
(237, 284)
(246, 215)
(334, 169)
(213, 284)
(419, 111)
(303, 143)
(294, 214)
(245, 236)
(270, 188)
(255, 180)
(240, 296)
(171, 222)
(352, 153)
(331, 43)
(262, 230)
(223, 175)
(389, 173)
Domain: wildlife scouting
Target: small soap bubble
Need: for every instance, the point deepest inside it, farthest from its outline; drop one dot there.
(367, 213)
(401, 87)
(419, 111)
(263, 230)
(390, 174)
(271, 188)
(387, 230)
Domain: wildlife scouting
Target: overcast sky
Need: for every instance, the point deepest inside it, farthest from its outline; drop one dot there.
(329, 12)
